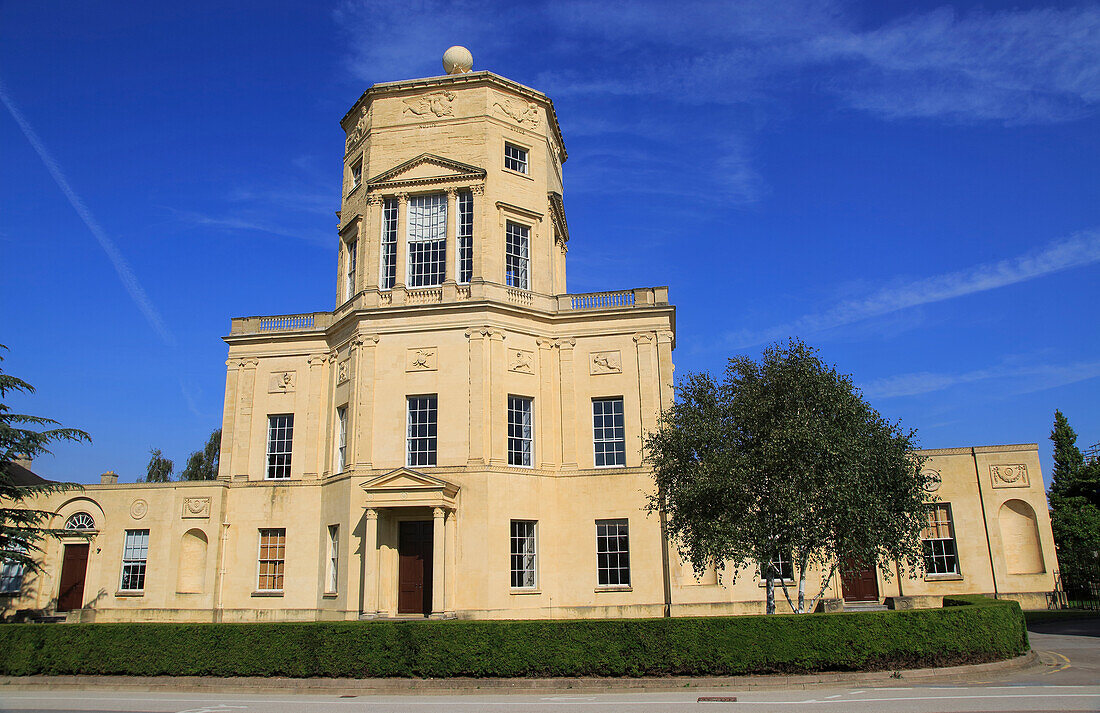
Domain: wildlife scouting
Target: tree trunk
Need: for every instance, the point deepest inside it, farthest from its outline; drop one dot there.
(802, 586)
(770, 606)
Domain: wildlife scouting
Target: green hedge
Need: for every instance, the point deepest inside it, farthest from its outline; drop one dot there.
(983, 630)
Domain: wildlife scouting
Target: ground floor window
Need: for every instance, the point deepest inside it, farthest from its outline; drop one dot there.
(523, 554)
(938, 539)
(613, 553)
(11, 573)
(333, 557)
(272, 559)
(779, 567)
(135, 553)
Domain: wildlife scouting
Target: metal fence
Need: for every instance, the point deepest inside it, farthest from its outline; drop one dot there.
(1075, 590)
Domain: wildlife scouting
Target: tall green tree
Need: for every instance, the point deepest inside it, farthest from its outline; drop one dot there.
(22, 527)
(159, 468)
(783, 458)
(1074, 498)
(203, 465)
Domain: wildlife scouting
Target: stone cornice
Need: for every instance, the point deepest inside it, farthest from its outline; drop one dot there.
(1006, 448)
(557, 215)
(463, 171)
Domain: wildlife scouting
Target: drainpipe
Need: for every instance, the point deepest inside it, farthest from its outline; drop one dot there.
(985, 523)
(664, 567)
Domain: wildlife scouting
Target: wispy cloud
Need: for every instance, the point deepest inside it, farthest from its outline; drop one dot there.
(1028, 378)
(122, 267)
(1078, 250)
(245, 224)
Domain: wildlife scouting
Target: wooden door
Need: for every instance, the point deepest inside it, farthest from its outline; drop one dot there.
(414, 571)
(73, 568)
(860, 583)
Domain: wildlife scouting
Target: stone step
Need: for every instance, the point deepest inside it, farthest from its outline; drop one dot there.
(864, 606)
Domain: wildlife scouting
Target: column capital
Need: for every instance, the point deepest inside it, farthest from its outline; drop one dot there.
(363, 340)
(317, 359)
(438, 513)
(244, 362)
(566, 344)
(645, 337)
(372, 514)
(546, 343)
(477, 189)
(374, 199)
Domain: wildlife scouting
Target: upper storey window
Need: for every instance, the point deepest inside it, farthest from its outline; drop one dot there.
(516, 252)
(349, 288)
(388, 272)
(465, 237)
(427, 240)
(515, 158)
(356, 174)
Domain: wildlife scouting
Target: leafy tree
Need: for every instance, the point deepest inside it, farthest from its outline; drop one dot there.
(784, 459)
(203, 465)
(22, 527)
(159, 469)
(1074, 504)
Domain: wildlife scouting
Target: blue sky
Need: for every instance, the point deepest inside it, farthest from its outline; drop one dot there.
(911, 187)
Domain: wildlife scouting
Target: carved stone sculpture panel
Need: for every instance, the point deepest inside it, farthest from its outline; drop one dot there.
(932, 480)
(523, 114)
(138, 509)
(521, 361)
(1009, 476)
(282, 382)
(606, 363)
(421, 359)
(439, 104)
(342, 372)
(196, 508)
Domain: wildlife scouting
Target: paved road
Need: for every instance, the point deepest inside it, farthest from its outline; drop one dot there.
(1068, 681)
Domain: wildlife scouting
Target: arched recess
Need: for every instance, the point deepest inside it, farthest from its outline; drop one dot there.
(191, 578)
(1020, 538)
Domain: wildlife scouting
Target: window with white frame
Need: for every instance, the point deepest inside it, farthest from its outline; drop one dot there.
(421, 439)
(80, 521)
(272, 559)
(515, 158)
(356, 174)
(135, 553)
(333, 558)
(349, 288)
(523, 554)
(341, 438)
(608, 432)
(938, 540)
(779, 567)
(11, 571)
(427, 232)
(517, 240)
(388, 269)
(613, 553)
(280, 441)
(465, 236)
(521, 432)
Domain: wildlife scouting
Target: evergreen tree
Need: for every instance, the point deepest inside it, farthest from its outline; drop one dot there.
(1074, 505)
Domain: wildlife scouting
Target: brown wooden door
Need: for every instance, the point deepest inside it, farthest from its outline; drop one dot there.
(860, 583)
(73, 568)
(414, 571)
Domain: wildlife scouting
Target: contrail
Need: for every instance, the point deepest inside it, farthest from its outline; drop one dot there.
(129, 281)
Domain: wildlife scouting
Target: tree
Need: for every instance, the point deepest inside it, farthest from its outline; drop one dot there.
(159, 468)
(22, 527)
(203, 465)
(1074, 504)
(783, 459)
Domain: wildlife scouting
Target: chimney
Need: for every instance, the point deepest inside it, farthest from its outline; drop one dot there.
(109, 478)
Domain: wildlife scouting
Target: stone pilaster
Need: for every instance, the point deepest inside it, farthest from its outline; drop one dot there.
(568, 403)
(361, 420)
(242, 429)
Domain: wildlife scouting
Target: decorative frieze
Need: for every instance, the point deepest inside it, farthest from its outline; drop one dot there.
(605, 363)
(1009, 476)
(439, 104)
(421, 359)
(526, 115)
(196, 508)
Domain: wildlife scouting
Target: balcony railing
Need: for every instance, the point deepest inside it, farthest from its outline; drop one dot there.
(281, 323)
(602, 300)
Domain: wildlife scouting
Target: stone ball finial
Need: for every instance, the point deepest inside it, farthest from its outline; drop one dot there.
(458, 60)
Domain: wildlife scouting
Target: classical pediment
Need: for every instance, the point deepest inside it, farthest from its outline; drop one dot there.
(408, 487)
(427, 168)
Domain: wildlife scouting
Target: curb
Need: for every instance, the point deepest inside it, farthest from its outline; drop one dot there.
(441, 686)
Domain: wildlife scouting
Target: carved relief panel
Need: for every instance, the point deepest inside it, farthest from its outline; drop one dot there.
(282, 382)
(521, 361)
(195, 508)
(421, 359)
(1009, 476)
(605, 363)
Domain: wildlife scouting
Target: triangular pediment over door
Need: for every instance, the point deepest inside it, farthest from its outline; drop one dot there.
(405, 487)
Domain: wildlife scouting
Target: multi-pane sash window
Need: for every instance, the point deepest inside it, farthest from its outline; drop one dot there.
(938, 539)
(388, 271)
(421, 439)
(515, 158)
(272, 559)
(280, 440)
(521, 435)
(465, 236)
(780, 567)
(612, 553)
(333, 557)
(427, 240)
(341, 438)
(11, 572)
(608, 432)
(516, 255)
(523, 554)
(134, 555)
(356, 174)
(349, 288)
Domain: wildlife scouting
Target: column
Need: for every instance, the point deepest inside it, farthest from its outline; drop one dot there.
(479, 369)
(483, 228)
(439, 560)
(368, 602)
(568, 404)
(549, 448)
(450, 293)
(494, 413)
(370, 242)
(402, 248)
(665, 368)
(229, 413)
(451, 535)
(246, 384)
(648, 398)
(315, 414)
(362, 421)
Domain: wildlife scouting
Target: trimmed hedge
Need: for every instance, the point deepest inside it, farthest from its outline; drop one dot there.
(974, 630)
